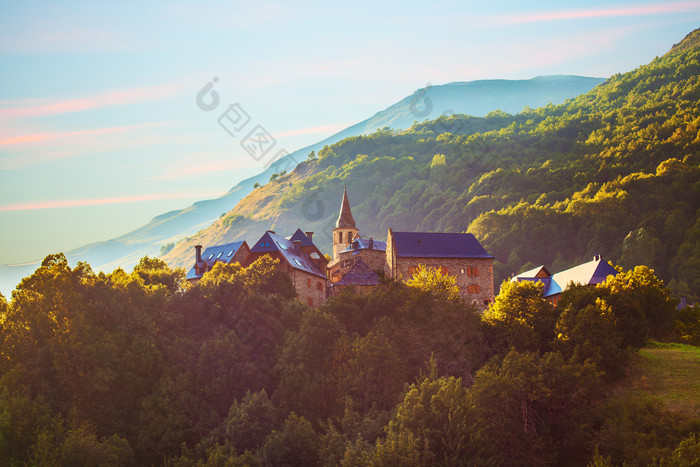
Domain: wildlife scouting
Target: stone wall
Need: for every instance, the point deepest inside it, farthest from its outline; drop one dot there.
(458, 268)
(307, 286)
(375, 259)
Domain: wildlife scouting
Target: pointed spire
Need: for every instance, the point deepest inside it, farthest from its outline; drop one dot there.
(345, 218)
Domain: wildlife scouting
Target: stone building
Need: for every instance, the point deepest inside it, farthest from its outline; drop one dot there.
(300, 258)
(590, 273)
(227, 253)
(360, 278)
(371, 252)
(457, 254)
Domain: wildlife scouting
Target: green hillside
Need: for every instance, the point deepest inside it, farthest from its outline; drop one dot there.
(670, 372)
(615, 172)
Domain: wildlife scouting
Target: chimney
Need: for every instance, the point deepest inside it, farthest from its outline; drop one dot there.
(371, 243)
(310, 235)
(270, 231)
(297, 246)
(198, 250)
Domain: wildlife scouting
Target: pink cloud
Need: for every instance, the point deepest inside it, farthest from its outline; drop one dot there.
(73, 203)
(638, 10)
(11, 109)
(46, 137)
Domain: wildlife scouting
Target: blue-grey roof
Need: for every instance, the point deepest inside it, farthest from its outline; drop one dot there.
(222, 253)
(437, 245)
(363, 244)
(359, 274)
(271, 242)
(299, 235)
(590, 273)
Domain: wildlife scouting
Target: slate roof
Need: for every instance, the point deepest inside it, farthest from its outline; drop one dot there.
(363, 244)
(222, 253)
(359, 274)
(299, 235)
(271, 242)
(437, 245)
(345, 218)
(590, 273)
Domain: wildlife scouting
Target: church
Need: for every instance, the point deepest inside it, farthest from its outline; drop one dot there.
(360, 263)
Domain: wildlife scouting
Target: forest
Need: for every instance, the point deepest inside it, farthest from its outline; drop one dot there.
(143, 368)
(614, 172)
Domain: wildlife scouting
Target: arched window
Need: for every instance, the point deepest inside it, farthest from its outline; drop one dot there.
(340, 237)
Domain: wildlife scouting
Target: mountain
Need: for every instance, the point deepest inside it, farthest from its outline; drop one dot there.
(615, 172)
(474, 98)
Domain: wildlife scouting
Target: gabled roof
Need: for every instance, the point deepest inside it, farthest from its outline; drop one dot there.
(271, 242)
(363, 244)
(217, 253)
(359, 274)
(437, 245)
(539, 271)
(590, 273)
(345, 218)
(299, 235)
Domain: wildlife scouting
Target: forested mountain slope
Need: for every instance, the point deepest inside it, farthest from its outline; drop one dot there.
(615, 172)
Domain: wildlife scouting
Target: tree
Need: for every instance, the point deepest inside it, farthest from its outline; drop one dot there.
(433, 281)
(521, 318)
(297, 444)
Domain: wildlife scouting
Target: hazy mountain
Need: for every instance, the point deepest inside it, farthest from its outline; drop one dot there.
(614, 172)
(476, 98)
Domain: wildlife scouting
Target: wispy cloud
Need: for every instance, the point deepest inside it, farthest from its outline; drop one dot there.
(35, 138)
(30, 146)
(12, 109)
(611, 12)
(73, 203)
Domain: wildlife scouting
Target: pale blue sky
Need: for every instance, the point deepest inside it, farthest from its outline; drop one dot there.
(99, 130)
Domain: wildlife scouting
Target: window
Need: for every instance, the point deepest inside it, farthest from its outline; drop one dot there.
(319, 285)
(461, 271)
(315, 255)
(487, 302)
(308, 282)
(473, 272)
(340, 237)
(211, 256)
(473, 289)
(412, 270)
(310, 301)
(444, 270)
(230, 253)
(298, 262)
(219, 255)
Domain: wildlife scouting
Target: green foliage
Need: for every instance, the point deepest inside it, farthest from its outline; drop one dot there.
(165, 249)
(296, 444)
(433, 281)
(521, 318)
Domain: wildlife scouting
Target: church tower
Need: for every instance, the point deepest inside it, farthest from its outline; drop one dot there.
(345, 229)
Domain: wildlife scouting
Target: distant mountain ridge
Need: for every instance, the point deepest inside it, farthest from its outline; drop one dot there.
(476, 98)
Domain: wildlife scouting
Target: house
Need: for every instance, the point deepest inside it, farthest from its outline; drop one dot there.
(298, 256)
(360, 277)
(234, 252)
(457, 254)
(371, 252)
(590, 273)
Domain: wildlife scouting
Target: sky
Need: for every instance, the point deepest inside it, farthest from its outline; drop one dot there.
(101, 127)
